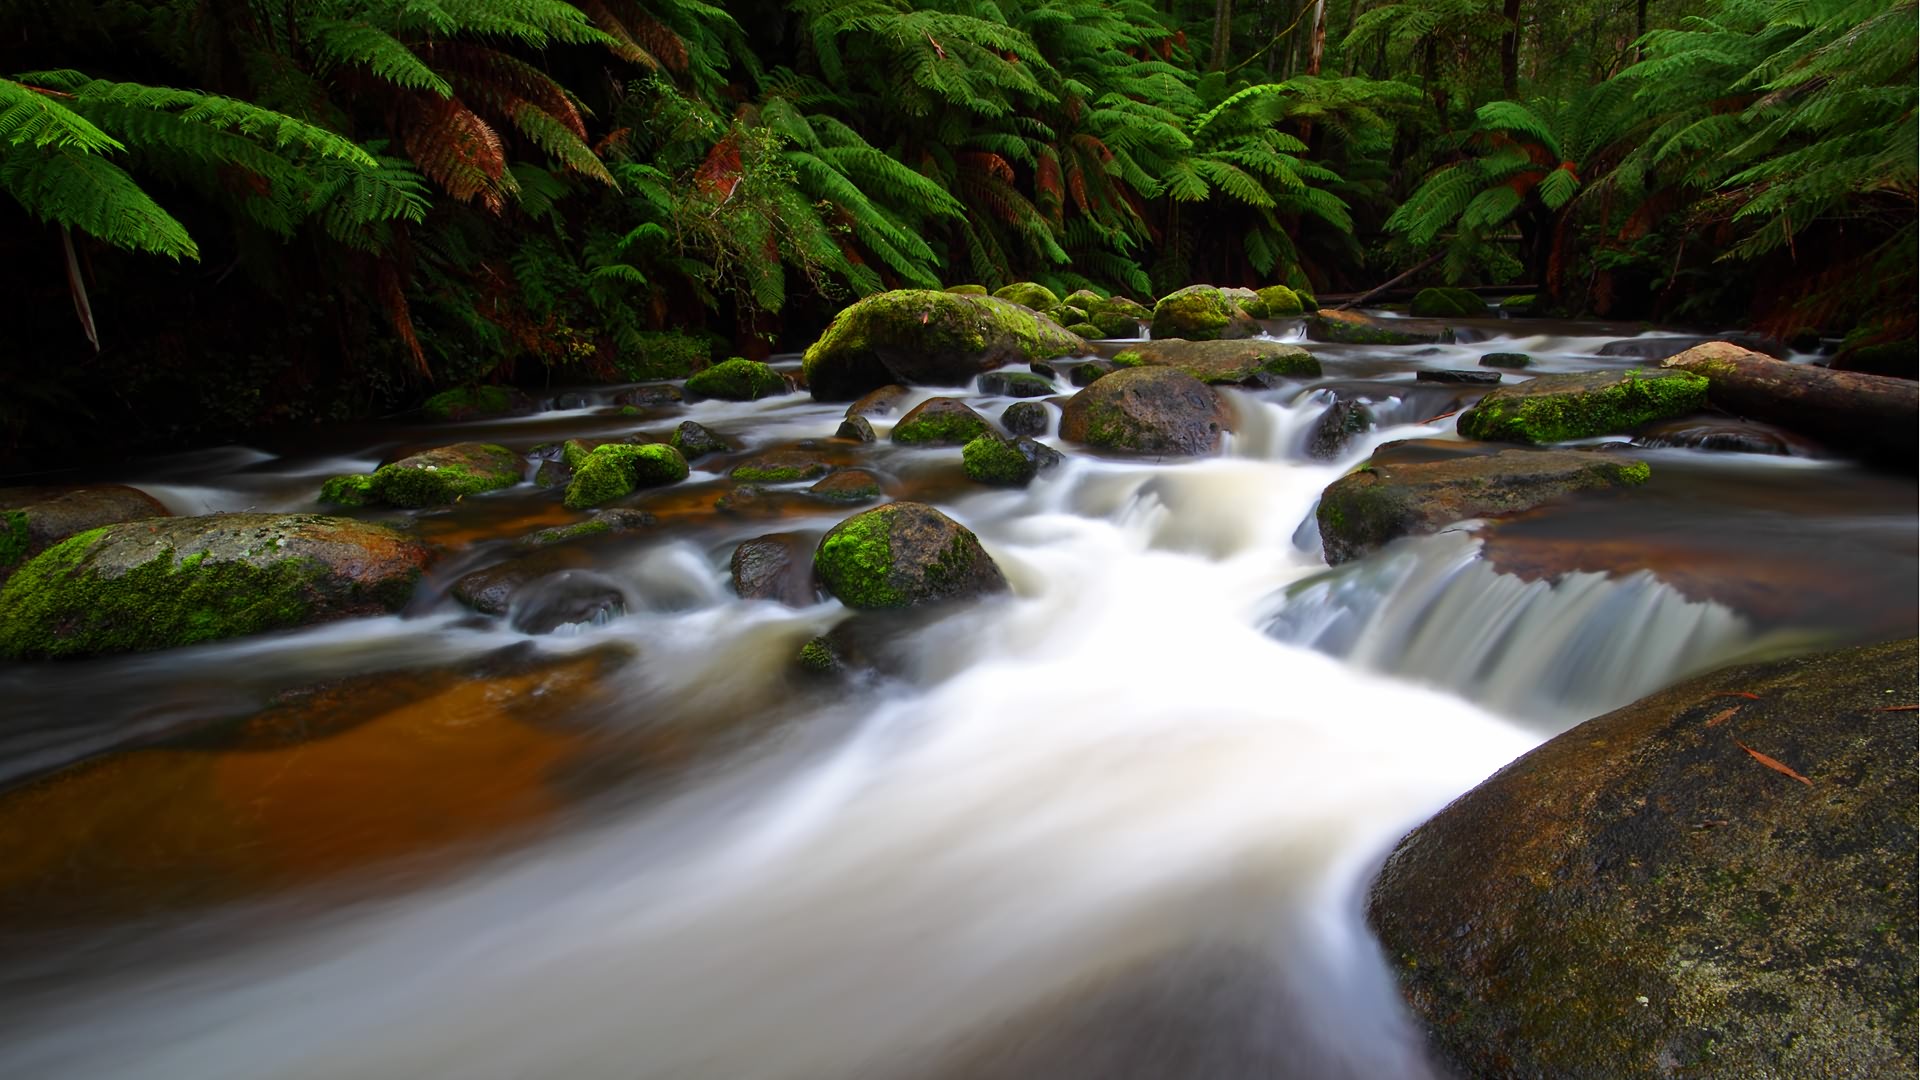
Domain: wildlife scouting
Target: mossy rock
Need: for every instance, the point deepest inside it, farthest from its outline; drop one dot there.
(603, 523)
(1352, 328)
(903, 555)
(1253, 362)
(1029, 295)
(475, 403)
(1716, 880)
(1522, 304)
(781, 467)
(1114, 324)
(1025, 418)
(737, 379)
(1084, 299)
(1147, 410)
(1336, 429)
(1067, 315)
(1281, 302)
(848, 486)
(1200, 313)
(615, 470)
(1509, 360)
(1121, 305)
(856, 429)
(968, 290)
(991, 459)
(350, 490)
(940, 422)
(167, 582)
(1555, 408)
(1017, 384)
(694, 441)
(920, 336)
(1093, 370)
(33, 519)
(882, 401)
(1382, 502)
(652, 394)
(1446, 302)
(445, 475)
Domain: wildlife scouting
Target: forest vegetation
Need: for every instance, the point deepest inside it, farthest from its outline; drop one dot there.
(226, 214)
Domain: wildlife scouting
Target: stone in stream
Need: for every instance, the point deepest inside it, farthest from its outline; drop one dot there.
(476, 403)
(34, 519)
(738, 379)
(940, 422)
(650, 394)
(1246, 362)
(1016, 384)
(777, 567)
(1445, 302)
(1025, 418)
(1505, 360)
(1115, 324)
(1200, 313)
(991, 459)
(1028, 295)
(1873, 416)
(1280, 302)
(445, 475)
(166, 582)
(1659, 348)
(1716, 880)
(884, 401)
(1353, 328)
(1148, 411)
(848, 486)
(1088, 373)
(1454, 375)
(615, 470)
(603, 523)
(1337, 427)
(1726, 435)
(784, 466)
(1381, 502)
(1556, 408)
(927, 337)
(855, 428)
(903, 555)
(694, 441)
(545, 604)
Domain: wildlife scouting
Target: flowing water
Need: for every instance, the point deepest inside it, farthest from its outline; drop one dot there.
(1117, 824)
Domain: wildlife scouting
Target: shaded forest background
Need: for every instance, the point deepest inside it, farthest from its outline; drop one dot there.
(224, 215)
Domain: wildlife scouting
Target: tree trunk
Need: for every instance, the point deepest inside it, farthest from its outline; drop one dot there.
(1353, 15)
(1510, 50)
(1870, 415)
(1639, 29)
(1319, 39)
(1431, 66)
(1222, 33)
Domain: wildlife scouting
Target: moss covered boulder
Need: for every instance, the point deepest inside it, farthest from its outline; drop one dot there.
(991, 459)
(920, 336)
(34, 519)
(902, 555)
(1148, 410)
(166, 582)
(446, 475)
(784, 466)
(1016, 384)
(695, 441)
(476, 403)
(1555, 408)
(1281, 302)
(1716, 880)
(940, 421)
(616, 470)
(350, 490)
(1200, 313)
(1114, 324)
(968, 290)
(1381, 502)
(1251, 362)
(1448, 303)
(1029, 295)
(1353, 328)
(737, 379)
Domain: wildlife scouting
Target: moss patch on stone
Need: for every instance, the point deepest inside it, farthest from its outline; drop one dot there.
(855, 562)
(353, 489)
(1281, 302)
(1556, 408)
(1029, 294)
(616, 469)
(993, 460)
(779, 473)
(446, 475)
(817, 656)
(967, 290)
(13, 536)
(925, 336)
(463, 402)
(940, 422)
(1506, 360)
(737, 379)
(1448, 302)
(1197, 313)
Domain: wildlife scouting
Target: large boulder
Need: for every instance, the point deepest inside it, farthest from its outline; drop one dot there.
(1717, 880)
(1029, 295)
(1381, 502)
(1249, 362)
(940, 421)
(34, 519)
(738, 379)
(927, 337)
(1200, 313)
(903, 555)
(1353, 328)
(615, 470)
(1147, 410)
(1281, 302)
(1555, 408)
(445, 475)
(166, 582)
(1870, 415)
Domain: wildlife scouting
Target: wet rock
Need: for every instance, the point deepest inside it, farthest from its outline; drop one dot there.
(1017, 384)
(1247, 362)
(694, 441)
(777, 567)
(1898, 359)
(855, 428)
(650, 394)
(1352, 328)
(848, 486)
(1147, 411)
(1115, 324)
(1725, 434)
(550, 474)
(1873, 416)
(569, 596)
(1644, 895)
(351, 490)
(1200, 313)
(1281, 302)
(1381, 502)
(476, 403)
(616, 470)
(1044, 369)
(34, 519)
(1029, 295)
(1505, 360)
(490, 589)
(1555, 408)
(968, 290)
(928, 337)
(903, 555)
(1025, 418)
(1520, 304)
(781, 467)
(1448, 303)
(1086, 374)
(446, 475)
(160, 583)
(1452, 375)
(940, 422)
(884, 401)
(1337, 427)
(990, 459)
(603, 523)
(1659, 348)
(737, 379)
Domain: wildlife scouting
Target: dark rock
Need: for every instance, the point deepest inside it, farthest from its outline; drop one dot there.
(1025, 418)
(1644, 895)
(1873, 416)
(604, 523)
(1896, 359)
(1337, 427)
(855, 428)
(1555, 408)
(694, 441)
(1659, 348)
(940, 422)
(160, 583)
(1148, 411)
(1085, 374)
(902, 555)
(550, 474)
(446, 475)
(1381, 502)
(1477, 378)
(490, 589)
(1043, 369)
(34, 519)
(650, 394)
(1018, 384)
(777, 567)
(569, 596)
(1351, 328)
(1505, 360)
(1200, 313)
(781, 467)
(882, 402)
(928, 337)
(1725, 434)
(990, 459)
(848, 486)
(1245, 362)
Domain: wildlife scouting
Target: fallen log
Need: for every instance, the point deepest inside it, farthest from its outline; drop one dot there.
(1873, 416)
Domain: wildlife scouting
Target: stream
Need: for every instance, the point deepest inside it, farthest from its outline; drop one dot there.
(1117, 824)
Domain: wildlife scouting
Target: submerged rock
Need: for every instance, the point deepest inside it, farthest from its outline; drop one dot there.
(990, 459)
(445, 475)
(884, 401)
(166, 582)
(777, 567)
(650, 394)
(903, 555)
(568, 596)
(694, 441)
(1200, 313)
(604, 523)
(1246, 362)
(1148, 411)
(1716, 880)
(1505, 360)
(781, 467)
(737, 379)
(1025, 418)
(1352, 328)
(940, 422)
(1555, 408)
(855, 429)
(1378, 503)
(615, 470)
(1017, 384)
(34, 519)
(1088, 373)
(928, 337)
(1337, 427)
(1456, 375)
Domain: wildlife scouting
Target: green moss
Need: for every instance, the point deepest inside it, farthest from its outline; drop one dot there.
(1634, 472)
(1129, 358)
(1281, 302)
(1029, 294)
(355, 489)
(738, 380)
(1340, 331)
(13, 537)
(1308, 304)
(1522, 302)
(1578, 414)
(1197, 313)
(1298, 364)
(1447, 302)
(1113, 324)
(1506, 360)
(780, 474)
(967, 290)
(628, 410)
(616, 469)
(940, 428)
(993, 460)
(465, 401)
(817, 655)
(573, 453)
(421, 480)
(1085, 329)
(666, 354)
(855, 562)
